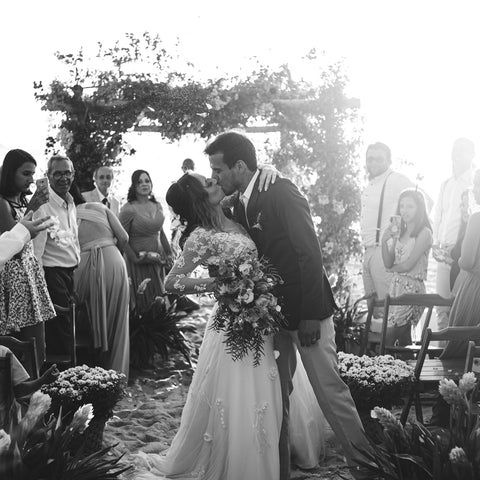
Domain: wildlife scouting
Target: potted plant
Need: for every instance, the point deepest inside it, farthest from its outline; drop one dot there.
(79, 385)
(35, 449)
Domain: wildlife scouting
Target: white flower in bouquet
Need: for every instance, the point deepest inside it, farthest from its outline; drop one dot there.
(63, 238)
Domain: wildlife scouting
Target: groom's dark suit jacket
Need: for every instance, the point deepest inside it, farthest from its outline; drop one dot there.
(281, 226)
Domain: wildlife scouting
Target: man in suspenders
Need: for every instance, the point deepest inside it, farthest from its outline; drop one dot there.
(379, 203)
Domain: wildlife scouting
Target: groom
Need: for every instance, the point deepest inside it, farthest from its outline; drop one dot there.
(279, 222)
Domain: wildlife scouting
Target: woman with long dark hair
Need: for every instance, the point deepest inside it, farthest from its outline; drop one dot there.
(24, 300)
(148, 251)
(405, 253)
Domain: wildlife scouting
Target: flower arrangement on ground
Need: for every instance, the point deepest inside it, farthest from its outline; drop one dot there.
(247, 308)
(157, 331)
(34, 449)
(80, 385)
(373, 381)
(421, 453)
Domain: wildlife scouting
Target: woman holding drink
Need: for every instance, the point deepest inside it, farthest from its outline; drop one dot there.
(405, 248)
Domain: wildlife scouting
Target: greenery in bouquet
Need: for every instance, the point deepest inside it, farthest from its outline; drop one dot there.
(157, 330)
(374, 381)
(247, 308)
(38, 447)
(416, 452)
(79, 385)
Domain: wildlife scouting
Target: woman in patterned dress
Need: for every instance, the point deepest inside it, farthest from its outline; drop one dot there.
(148, 251)
(24, 301)
(405, 253)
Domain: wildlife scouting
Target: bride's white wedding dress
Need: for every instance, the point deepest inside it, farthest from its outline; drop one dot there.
(231, 422)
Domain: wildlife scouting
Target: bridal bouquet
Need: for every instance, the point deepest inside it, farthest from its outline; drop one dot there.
(247, 308)
(63, 238)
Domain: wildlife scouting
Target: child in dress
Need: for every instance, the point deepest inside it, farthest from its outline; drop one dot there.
(405, 250)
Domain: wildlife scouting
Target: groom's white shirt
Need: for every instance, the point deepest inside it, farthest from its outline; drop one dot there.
(245, 196)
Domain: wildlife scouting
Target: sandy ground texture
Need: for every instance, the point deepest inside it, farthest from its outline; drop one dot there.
(149, 415)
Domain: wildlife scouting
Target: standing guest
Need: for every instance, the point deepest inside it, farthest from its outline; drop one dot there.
(25, 305)
(188, 166)
(465, 310)
(103, 178)
(379, 202)
(448, 217)
(148, 252)
(405, 253)
(101, 282)
(58, 250)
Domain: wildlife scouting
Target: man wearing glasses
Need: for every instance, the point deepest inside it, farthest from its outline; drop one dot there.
(58, 249)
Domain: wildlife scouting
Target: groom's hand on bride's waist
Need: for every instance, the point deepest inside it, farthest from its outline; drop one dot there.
(308, 332)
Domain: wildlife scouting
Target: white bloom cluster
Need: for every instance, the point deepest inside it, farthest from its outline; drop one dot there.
(63, 238)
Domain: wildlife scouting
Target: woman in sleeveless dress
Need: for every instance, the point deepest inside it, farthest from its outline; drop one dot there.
(24, 300)
(101, 282)
(405, 253)
(231, 421)
(148, 252)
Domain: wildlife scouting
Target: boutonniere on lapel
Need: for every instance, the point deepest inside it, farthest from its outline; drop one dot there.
(257, 225)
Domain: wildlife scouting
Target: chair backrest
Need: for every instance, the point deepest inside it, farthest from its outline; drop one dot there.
(372, 304)
(25, 351)
(7, 395)
(472, 362)
(427, 300)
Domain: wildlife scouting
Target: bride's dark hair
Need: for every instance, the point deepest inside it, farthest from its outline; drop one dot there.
(189, 200)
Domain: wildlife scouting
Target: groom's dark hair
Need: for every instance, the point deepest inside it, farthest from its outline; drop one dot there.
(234, 147)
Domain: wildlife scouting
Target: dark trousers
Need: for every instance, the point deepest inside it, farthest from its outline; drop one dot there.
(58, 330)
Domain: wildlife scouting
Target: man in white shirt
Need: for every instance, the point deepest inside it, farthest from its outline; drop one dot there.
(14, 240)
(58, 250)
(376, 210)
(103, 178)
(448, 216)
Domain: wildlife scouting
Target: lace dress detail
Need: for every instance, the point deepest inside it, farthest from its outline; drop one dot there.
(24, 298)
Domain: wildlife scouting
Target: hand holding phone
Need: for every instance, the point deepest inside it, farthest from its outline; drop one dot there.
(42, 183)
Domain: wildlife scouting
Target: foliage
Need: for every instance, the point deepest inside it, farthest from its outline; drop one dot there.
(79, 385)
(35, 450)
(247, 309)
(415, 452)
(157, 331)
(138, 84)
(374, 380)
(348, 330)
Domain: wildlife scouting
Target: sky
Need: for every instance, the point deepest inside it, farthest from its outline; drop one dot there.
(412, 64)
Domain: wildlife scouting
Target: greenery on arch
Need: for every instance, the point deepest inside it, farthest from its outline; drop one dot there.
(138, 84)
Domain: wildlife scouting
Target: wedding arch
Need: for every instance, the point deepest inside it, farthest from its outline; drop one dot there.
(138, 85)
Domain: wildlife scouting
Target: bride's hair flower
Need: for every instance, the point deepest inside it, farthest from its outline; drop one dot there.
(247, 308)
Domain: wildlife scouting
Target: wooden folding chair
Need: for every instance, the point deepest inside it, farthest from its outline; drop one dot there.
(82, 340)
(7, 395)
(472, 364)
(428, 372)
(427, 300)
(370, 339)
(25, 351)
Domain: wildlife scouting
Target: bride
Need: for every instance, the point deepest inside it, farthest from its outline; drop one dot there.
(231, 421)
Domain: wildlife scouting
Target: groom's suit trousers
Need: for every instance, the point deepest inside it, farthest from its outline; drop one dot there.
(334, 398)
